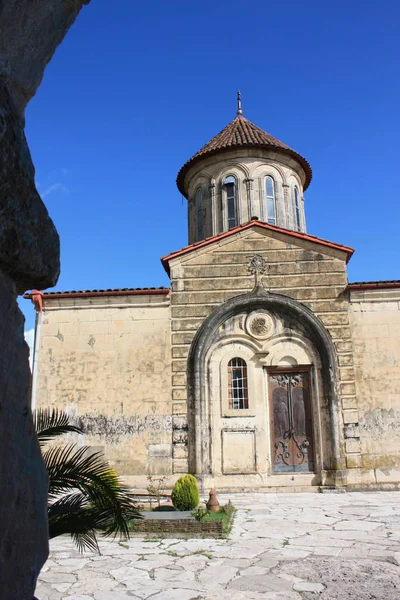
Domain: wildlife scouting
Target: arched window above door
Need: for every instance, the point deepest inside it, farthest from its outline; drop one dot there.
(237, 384)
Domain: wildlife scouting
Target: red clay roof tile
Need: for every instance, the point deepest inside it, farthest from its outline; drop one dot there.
(95, 293)
(374, 285)
(241, 132)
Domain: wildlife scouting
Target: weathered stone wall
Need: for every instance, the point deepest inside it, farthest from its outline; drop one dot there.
(375, 323)
(107, 361)
(110, 361)
(312, 274)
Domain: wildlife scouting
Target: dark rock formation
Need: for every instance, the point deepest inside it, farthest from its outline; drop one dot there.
(29, 257)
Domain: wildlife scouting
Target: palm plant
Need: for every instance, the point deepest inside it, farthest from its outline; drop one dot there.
(85, 494)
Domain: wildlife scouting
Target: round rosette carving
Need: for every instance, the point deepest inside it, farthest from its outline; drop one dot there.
(260, 325)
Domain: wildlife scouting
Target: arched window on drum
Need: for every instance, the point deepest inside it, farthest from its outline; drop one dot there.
(199, 214)
(270, 209)
(297, 208)
(238, 392)
(230, 201)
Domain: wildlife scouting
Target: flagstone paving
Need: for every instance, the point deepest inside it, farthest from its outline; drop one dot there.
(282, 547)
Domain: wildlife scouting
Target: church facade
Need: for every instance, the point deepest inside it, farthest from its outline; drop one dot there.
(261, 368)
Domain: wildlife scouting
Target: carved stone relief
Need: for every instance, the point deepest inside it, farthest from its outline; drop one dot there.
(260, 325)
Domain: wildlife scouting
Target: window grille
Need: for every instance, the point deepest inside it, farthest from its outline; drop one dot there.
(270, 200)
(237, 384)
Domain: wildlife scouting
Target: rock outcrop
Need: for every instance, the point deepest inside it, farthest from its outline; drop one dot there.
(29, 257)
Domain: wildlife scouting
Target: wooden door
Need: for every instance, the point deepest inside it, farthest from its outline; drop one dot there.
(291, 427)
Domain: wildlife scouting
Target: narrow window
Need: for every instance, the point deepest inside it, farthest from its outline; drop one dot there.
(297, 208)
(230, 199)
(270, 200)
(237, 384)
(199, 213)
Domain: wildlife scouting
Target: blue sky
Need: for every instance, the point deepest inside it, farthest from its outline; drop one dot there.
(136, 88)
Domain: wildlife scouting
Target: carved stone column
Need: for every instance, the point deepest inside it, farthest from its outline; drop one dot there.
(288, 210)
(214, 210)
(253, 212)
(303, 215)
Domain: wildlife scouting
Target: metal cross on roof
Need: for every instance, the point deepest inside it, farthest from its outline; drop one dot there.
(239, 104)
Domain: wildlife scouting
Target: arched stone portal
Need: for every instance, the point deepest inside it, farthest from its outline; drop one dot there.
(298, 343)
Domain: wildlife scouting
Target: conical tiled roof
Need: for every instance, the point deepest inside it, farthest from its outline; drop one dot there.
(239, 133)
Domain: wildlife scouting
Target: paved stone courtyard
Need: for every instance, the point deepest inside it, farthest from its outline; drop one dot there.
(282, 547)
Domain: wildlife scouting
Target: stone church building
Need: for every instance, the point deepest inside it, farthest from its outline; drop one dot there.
(260, 368)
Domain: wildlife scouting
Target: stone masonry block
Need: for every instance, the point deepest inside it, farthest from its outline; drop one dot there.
(346, 373)
(185, 324)
(195, 310)
(180, 351)
(218, 284)
(349, 402)
(316, 294)
(351, 430)
(207, 297)
(353, 446)
(179, 379)
(347, 389)
(179, 451)
(179, 408)
(160, 450)
(327, 306)
(93, 328)
(345, 360)
(354, 461)
(339, 332)
(179, 422)
(180, 436)
(350, 416)
(179, 394)
(216, 271)
(336, 318)
(182, 338)
(343, 346)
(387, 475)
(179, 366)
(180, 465)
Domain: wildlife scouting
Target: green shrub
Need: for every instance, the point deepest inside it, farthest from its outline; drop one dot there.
(185, 494)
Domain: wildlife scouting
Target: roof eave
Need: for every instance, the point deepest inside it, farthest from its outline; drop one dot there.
(373, 285)
(165, 260)
(99, 293)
